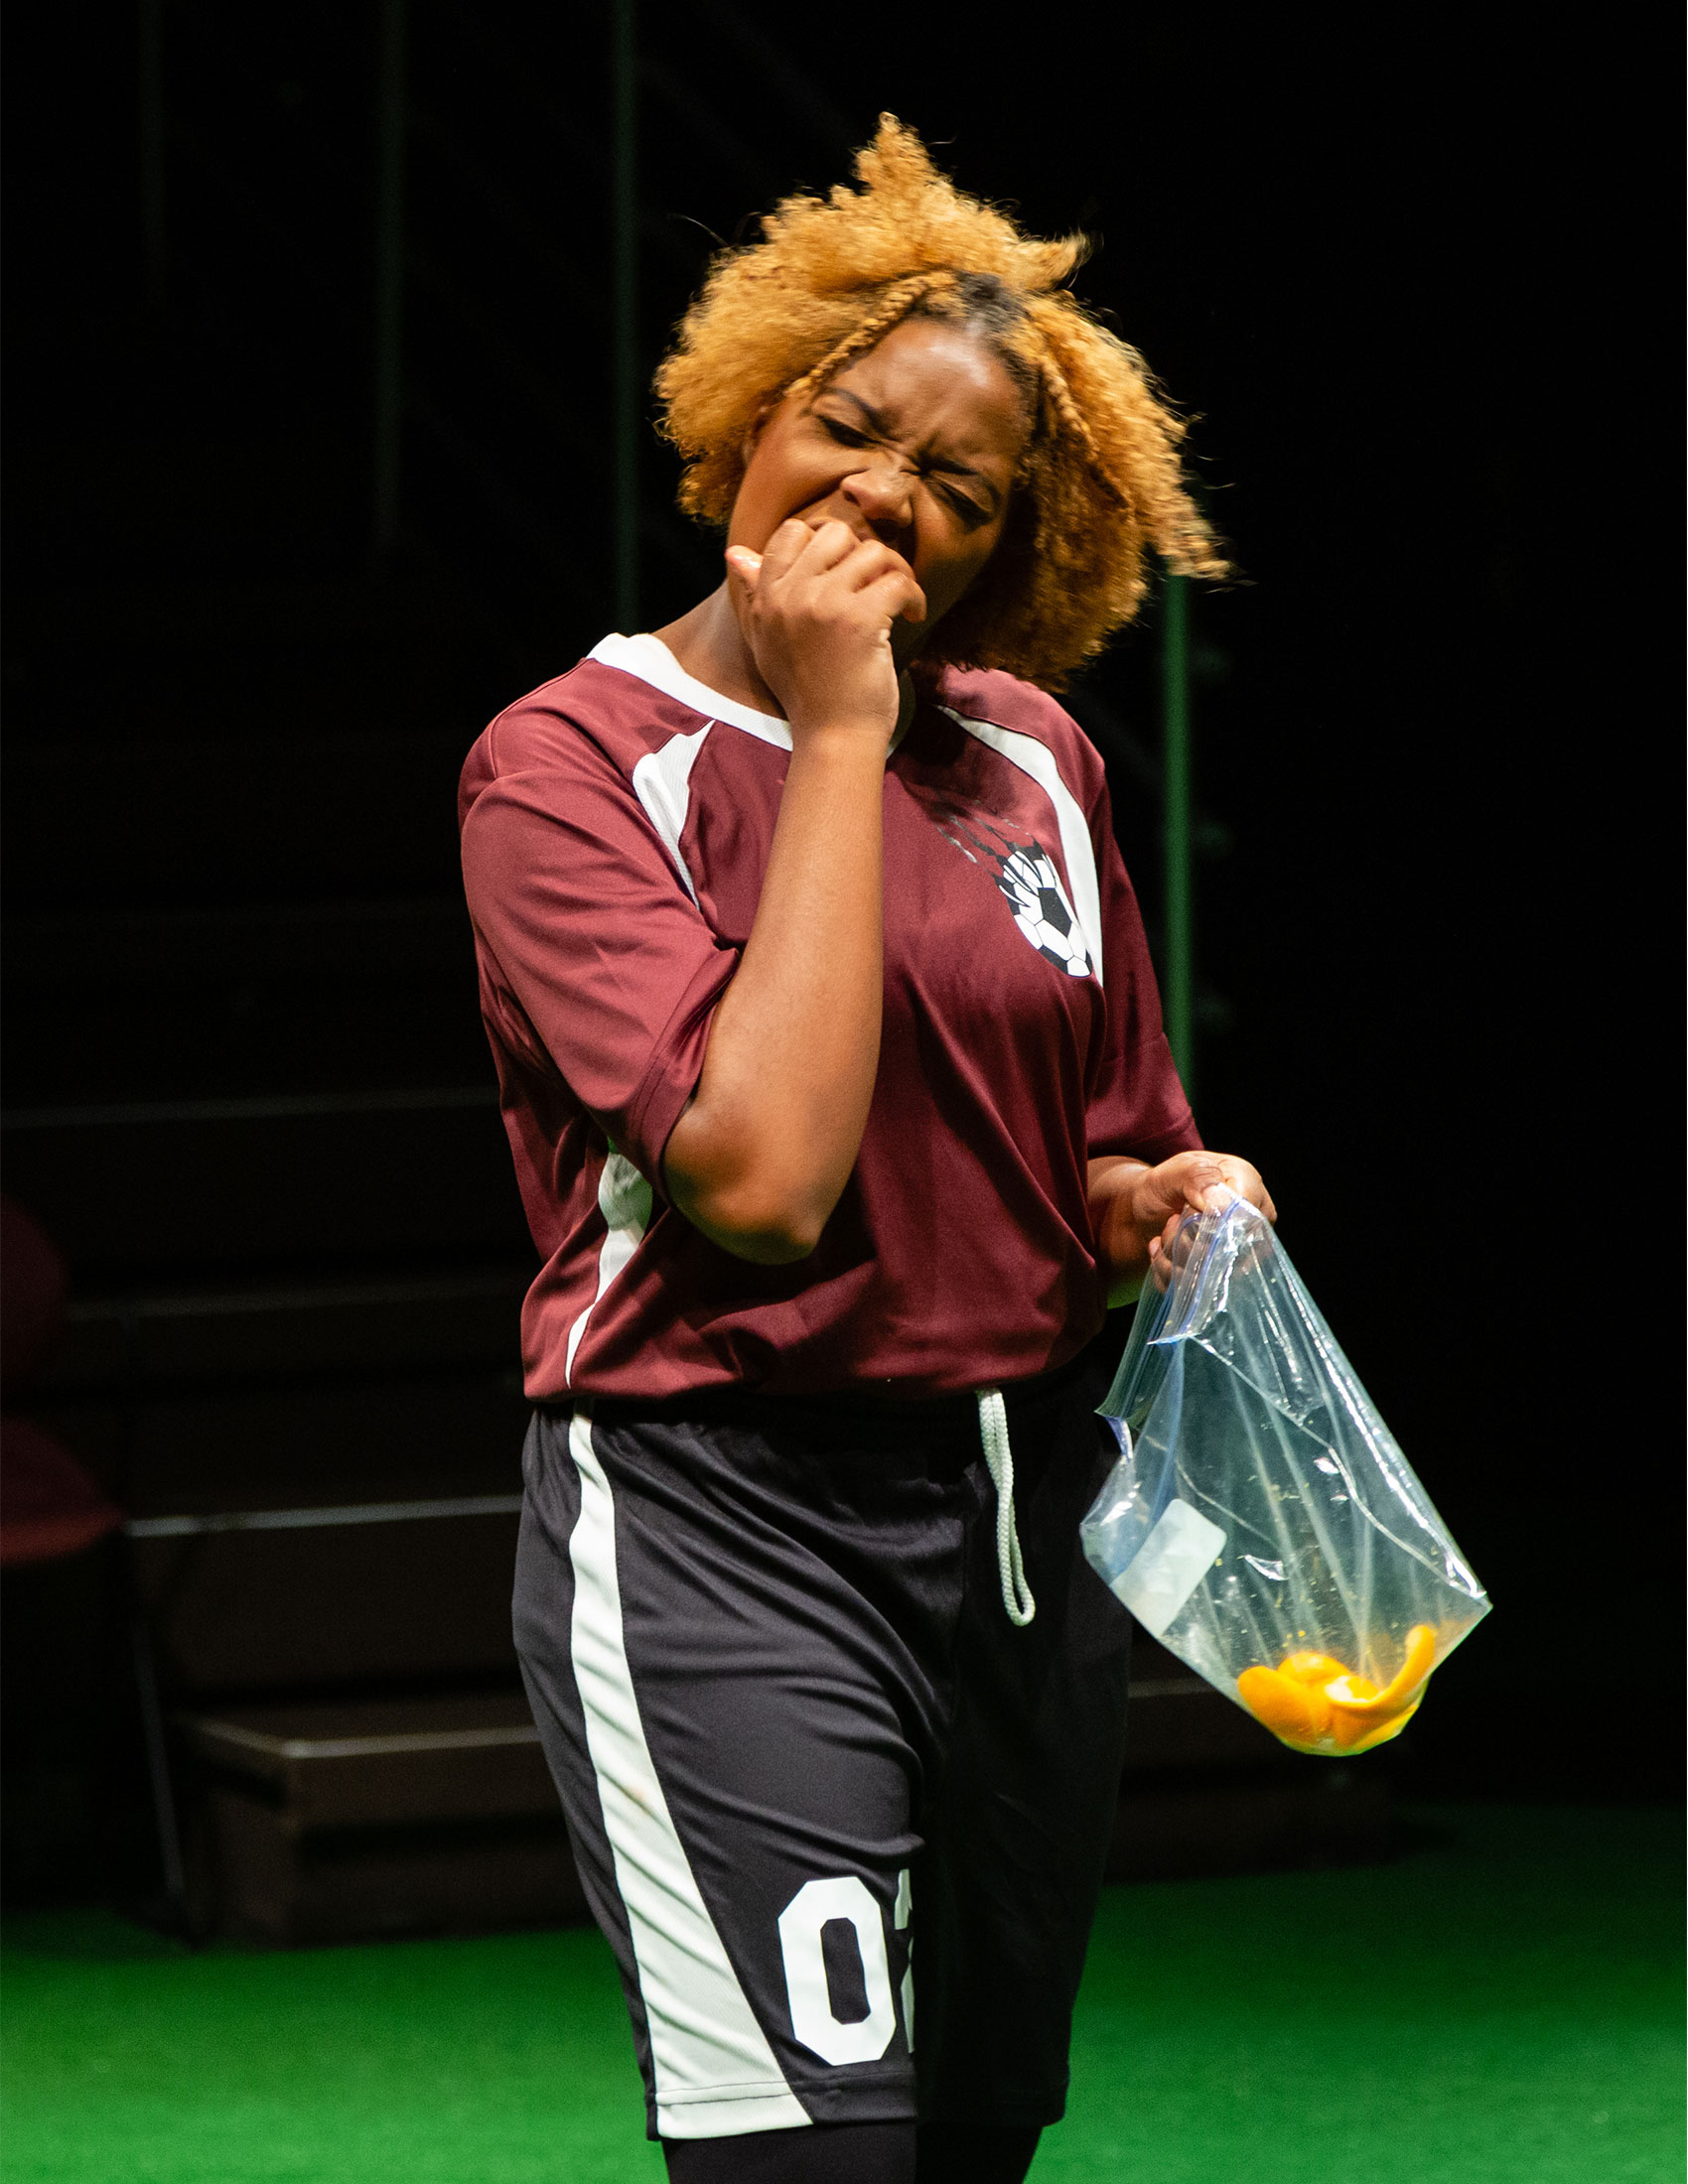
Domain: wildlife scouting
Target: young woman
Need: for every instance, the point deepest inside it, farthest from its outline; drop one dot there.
(832, 1064)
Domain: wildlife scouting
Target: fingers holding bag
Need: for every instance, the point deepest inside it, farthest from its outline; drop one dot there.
(1190, 1184)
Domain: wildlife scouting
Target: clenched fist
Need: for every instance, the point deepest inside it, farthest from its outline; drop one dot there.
(1135, 1210)
(816, 607)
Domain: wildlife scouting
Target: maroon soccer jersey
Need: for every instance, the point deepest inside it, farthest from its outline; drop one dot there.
(616, 826)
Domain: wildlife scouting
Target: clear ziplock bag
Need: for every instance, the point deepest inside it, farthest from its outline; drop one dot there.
(1261, 1522)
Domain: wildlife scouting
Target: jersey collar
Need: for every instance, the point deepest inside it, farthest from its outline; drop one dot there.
(650, 661)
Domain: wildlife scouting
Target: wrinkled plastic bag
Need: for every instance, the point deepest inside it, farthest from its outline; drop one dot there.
(1261, 1522)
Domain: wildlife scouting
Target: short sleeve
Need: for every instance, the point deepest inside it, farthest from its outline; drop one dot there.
(592, 945)
(1135, 1103)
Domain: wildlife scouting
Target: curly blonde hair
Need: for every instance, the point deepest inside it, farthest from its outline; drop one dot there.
(1101, 481)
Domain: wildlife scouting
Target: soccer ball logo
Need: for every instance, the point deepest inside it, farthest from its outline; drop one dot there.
(1030, 887)
(1040, 909)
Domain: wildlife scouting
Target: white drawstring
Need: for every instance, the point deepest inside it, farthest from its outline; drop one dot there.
(999, 1459)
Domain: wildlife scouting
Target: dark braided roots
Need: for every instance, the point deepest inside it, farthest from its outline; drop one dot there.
(898, 302)
(1101, 483)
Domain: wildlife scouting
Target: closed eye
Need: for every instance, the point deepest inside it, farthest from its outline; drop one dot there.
(847, 436)
(964, 503)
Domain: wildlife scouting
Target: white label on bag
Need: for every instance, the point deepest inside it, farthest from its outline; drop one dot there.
(1169, 1565)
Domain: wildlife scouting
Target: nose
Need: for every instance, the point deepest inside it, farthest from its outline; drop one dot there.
(884, 491)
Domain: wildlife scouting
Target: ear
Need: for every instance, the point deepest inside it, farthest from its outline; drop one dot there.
(765, 409)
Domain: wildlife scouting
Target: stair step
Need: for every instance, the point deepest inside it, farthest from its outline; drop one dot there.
(412, 937)
(235, 1183)
(253, 1878)
(234, 661)
(130, 824)
(384, 1762)
(254, 1611)
(137, 1340)
(353, 1439)
(277, 997)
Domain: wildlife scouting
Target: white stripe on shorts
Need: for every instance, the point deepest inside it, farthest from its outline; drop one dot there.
(716, 2076)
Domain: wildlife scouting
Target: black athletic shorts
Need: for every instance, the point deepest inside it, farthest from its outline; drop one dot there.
(842, 1822)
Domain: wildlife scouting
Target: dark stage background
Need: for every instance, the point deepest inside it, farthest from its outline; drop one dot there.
(1408, 272)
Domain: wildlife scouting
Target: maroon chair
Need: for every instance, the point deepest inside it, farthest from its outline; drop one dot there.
(49, 1505)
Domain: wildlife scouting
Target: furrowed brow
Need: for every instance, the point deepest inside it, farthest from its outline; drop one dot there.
(874, 417)
(951, 465)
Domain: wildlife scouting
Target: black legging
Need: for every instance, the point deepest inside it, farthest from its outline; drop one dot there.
(857, 2153)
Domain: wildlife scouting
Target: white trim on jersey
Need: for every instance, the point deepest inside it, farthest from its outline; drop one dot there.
(663, 778)
(650, 661)
(1038, 760)
(715, 2074)
(624, 1200)
(662, 782)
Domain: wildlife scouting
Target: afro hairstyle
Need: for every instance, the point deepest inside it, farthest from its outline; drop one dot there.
(1100, 483)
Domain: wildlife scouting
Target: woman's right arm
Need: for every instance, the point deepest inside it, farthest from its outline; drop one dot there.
(761, 1152)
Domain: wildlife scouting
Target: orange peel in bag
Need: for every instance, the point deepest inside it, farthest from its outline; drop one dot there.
(1313, 1703)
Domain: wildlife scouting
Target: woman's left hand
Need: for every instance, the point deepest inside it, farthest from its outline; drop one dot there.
(1135, 1210)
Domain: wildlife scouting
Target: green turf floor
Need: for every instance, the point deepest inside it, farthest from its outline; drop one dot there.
(1501, 2006)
